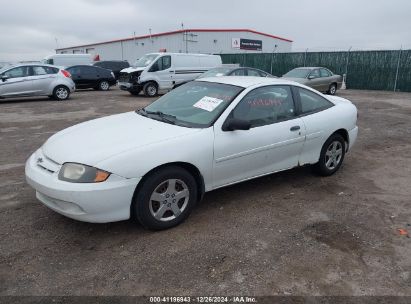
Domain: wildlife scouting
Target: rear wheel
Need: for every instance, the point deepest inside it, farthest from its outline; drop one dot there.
(104, 85)
(150, 89)
(61, 93)
(332, 89)
(165, 199)
(332, 155)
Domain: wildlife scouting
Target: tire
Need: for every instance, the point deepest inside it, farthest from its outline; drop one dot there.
(134, 92)
(330, 159)
(150, 89)
(61, 92)
(169, 210)
(104, 85)
(332, 89)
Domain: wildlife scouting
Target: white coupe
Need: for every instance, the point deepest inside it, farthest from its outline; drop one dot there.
(156, 163)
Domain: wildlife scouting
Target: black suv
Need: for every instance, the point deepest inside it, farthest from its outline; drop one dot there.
(114, 65)
(88, 76)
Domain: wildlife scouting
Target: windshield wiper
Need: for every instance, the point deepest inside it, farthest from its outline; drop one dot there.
(163, 116)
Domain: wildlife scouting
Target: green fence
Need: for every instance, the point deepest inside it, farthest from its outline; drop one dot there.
(368, 70)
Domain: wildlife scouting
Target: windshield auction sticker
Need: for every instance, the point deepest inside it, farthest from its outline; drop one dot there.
(208, 103)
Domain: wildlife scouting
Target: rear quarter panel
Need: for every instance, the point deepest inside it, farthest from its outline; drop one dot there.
(319, 127)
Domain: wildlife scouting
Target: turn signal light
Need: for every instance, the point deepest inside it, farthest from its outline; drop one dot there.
(101, 176)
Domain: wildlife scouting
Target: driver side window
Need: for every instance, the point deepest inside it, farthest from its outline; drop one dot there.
(315, 73)
(266, 105)
(17, 72)
(161, 64)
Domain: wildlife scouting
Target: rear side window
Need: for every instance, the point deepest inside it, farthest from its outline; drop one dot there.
(324, 73)
(315, 73)
(253, 73)
(312, 102)
(39, 70)
(88, 70)
(51, 70)
(239, 72)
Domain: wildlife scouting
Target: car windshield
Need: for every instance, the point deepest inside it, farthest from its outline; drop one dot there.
(196, 104)
(145, 60)
(216, 72)
(298, 73)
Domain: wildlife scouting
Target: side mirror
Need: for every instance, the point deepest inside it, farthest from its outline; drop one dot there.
(233, 124)
(4, 78)
(311, 77)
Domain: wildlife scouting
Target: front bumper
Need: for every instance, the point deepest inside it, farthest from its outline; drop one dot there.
(103, 202)
(127, 86)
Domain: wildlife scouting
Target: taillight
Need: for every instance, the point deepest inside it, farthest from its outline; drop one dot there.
(65, 73)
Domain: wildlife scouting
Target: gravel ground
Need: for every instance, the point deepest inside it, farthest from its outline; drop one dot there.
(288, 233)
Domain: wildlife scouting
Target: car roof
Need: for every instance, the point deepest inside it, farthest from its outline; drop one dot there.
(246, 81)
(309, 68)
(30, 64)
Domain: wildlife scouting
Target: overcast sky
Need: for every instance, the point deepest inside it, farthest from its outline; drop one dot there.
(29, 29)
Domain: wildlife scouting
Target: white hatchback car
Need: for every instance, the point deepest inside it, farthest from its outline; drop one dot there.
(26, 80)
(156, 163)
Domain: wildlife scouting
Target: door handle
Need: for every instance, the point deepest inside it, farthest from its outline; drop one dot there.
(295, 128)
(171, 71)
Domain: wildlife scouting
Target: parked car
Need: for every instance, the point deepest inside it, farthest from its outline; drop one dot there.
(35, 80)
(154, 164)
(66, 60)
(113, 65)
(87, 76)
(318, 78)
(161, 72)
(234, 71)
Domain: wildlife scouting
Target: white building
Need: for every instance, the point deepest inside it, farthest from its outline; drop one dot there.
(206, 41)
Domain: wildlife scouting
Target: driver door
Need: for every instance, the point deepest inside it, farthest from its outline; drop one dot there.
(17, 82)
(163, 73)
(273, 143)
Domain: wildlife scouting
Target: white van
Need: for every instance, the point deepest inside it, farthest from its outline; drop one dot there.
(66, 60)
(160, 72)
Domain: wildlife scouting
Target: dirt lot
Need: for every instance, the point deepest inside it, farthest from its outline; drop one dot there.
(288, 233)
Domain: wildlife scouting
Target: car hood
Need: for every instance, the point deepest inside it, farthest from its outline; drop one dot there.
(131, 70)
(299, 80)
(94, 141)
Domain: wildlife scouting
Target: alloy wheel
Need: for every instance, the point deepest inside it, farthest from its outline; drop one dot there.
(169, 199)
(333, 155)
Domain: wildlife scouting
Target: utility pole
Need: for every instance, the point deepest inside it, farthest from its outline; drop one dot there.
(398, 68)
(305, 55)
(272, 55)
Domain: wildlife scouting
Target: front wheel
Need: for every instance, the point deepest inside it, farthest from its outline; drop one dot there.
(150, 89)
(332, 155)
(165, 199)
(61, 93)
(332, 89)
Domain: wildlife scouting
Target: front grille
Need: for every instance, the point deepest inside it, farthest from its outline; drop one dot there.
(124, 77)
(46, 164)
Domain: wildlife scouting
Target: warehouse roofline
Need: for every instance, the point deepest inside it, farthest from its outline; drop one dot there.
(177, 32)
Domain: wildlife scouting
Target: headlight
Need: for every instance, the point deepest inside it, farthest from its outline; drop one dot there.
(78, 173)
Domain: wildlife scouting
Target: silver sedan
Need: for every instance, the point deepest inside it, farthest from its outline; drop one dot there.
(35, 80)
(318, 78)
